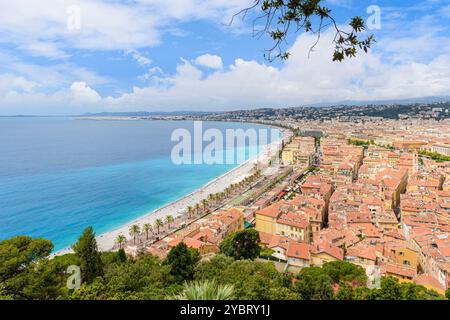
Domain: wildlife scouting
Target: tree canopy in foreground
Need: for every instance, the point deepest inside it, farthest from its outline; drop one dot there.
(26, 273)
(279, 18)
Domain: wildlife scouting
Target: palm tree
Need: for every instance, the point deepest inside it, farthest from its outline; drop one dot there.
(159, 224)
(197, 208)
(169, 220)
(134, 232)
(211, 197)
(190, 210)
(205, 290)
(217, 196)
(121, 240)
(204, 204)
(147, 228)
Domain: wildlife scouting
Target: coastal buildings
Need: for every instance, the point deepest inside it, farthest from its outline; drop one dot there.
(366, 192)
(297, 255)
(386, 207)
(297, 219)
(282, 219)
(204, 235)
(441, 149)
(299, 152)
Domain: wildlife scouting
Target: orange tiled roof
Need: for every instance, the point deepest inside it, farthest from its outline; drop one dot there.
(272, 211)
(294, 220)
(365, 252)
(428, 280)
(333, 251)
(193, 243)
(400, 270)
(298, 250)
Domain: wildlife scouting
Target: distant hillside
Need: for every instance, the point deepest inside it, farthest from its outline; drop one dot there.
(382, 102)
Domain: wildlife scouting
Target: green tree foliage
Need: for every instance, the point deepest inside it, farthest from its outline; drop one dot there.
(280, 18)
(205, 290)
(411, 291)
(182, 261)
(434, 156)
(242, 245)
(145, 278)
(109, 258)
(345, 292)
(25, 272)
(391, 289)
(447, 294)
(90, 259)
(317, 283)
(266, 253)
(214, 268)
(252, 280)
(121, 255)
(343, 271)
(92, 291)
(314, 284)
(361, 143)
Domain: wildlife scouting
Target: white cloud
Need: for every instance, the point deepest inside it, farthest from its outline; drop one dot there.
(44, 49)
(10, 82)
(139, 58)
(210, 61)
(50, 77)
(83, 93)
(249, 84)
(303, 80)
(41, 27)
(152, 73)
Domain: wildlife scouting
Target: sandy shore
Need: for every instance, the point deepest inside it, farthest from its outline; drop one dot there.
(106, 241)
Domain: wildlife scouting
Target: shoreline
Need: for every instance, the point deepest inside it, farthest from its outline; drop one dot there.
(106, 240)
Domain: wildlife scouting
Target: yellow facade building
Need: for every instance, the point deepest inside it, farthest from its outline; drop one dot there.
(275, 221)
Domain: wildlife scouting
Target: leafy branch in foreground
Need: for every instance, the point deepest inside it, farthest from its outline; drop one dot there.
(280, 17)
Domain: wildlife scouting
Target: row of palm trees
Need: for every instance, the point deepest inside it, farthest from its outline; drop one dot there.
(147, 229)
(215, 198)
(199, 209)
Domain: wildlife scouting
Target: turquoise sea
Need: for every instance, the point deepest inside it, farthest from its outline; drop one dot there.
(60, 175)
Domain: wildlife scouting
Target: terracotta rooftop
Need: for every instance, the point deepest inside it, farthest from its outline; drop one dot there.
(298, 250)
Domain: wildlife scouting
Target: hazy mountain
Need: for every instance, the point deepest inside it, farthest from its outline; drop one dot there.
(382, 102)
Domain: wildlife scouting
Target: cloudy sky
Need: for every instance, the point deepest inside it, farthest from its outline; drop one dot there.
(76, 56)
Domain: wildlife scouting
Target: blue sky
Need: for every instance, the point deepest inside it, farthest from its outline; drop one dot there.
(165, 55)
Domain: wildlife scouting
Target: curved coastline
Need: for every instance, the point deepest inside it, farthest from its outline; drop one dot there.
(175, 208)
